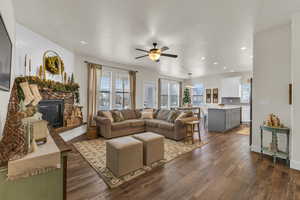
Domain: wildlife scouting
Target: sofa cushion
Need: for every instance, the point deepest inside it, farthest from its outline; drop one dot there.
(120, 125)
(129, 114)
(152, 122)
(136, 122)
(163, 114)
(166, 125)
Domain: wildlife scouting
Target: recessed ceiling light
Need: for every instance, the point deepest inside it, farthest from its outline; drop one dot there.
(203, 58)
(225, 67)
(243, 48)
(83, 42)
(231, 70)
(251, 56)
(215, 63)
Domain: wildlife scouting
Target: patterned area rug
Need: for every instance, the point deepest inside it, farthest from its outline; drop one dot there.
(94, 151)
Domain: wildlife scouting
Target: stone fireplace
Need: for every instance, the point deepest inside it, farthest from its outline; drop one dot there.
(62, 104)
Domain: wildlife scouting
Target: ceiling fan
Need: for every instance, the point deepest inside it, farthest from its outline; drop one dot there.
(155, 53)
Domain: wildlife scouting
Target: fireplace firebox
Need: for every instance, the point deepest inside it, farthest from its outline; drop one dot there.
(53, 112)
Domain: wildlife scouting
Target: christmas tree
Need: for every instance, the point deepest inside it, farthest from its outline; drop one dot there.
(186, 96)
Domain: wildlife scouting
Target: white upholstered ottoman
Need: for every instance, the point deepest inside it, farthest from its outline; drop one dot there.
(124, 155)
(153, 146)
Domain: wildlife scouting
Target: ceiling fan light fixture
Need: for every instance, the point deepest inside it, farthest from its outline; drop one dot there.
(154, 54)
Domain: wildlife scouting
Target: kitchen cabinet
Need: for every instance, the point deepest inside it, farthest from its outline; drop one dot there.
(222, 119)
(231, 87)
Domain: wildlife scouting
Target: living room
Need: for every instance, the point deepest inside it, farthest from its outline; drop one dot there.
(149, 100)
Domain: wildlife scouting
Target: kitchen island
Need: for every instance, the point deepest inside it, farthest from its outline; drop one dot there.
(224, 118)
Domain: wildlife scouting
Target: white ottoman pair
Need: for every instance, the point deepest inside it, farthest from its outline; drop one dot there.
(127, 154)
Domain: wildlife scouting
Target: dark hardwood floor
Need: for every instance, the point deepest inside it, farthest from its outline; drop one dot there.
(223, 169)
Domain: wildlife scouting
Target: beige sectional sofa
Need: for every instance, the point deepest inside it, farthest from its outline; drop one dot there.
(133, 123)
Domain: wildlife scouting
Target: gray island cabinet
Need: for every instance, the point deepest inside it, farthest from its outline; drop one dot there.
(222, 119)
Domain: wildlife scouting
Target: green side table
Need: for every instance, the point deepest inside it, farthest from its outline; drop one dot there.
(276, 152)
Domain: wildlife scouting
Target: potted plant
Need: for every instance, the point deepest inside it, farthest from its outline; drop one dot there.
(187, 98)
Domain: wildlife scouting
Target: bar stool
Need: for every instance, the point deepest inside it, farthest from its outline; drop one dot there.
(190, 129)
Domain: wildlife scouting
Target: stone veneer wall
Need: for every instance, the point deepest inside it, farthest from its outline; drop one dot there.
(13, 144)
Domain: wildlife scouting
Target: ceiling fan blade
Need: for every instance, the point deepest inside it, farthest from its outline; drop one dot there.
(164, 49)
(141, 56)
(142, 50)
(169, 55)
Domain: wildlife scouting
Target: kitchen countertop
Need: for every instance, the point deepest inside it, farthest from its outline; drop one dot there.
(224, 107)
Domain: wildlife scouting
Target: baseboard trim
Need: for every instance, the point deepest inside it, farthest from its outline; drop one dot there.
(294, 164)
(255, 149)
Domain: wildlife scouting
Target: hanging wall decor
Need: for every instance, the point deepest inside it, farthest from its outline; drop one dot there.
(53, 64)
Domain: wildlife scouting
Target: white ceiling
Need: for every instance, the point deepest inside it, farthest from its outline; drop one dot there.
(214, 29)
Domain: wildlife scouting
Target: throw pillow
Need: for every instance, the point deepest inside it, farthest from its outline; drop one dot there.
(172, 116)
(147, 115)
(138, 113)
(148, 110)
(128, 114)
(108, 115)
(117, 115)
(155, 113)
(163, 115)
(185, 115)
(181, 115)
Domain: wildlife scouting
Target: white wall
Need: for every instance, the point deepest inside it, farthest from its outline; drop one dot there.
(7, 13)
(142, 76)
(215, 81)
(295, 112)
(271, 77)
(34, 45)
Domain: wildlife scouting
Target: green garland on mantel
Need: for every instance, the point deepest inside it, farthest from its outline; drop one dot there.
(55, 86)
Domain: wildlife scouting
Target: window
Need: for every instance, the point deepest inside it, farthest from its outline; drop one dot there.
(174, 94)
(197, 95)
(245, 93)
(149, 94)
(169, 96)
(114, 92)
(122, 91)
(105, 91)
